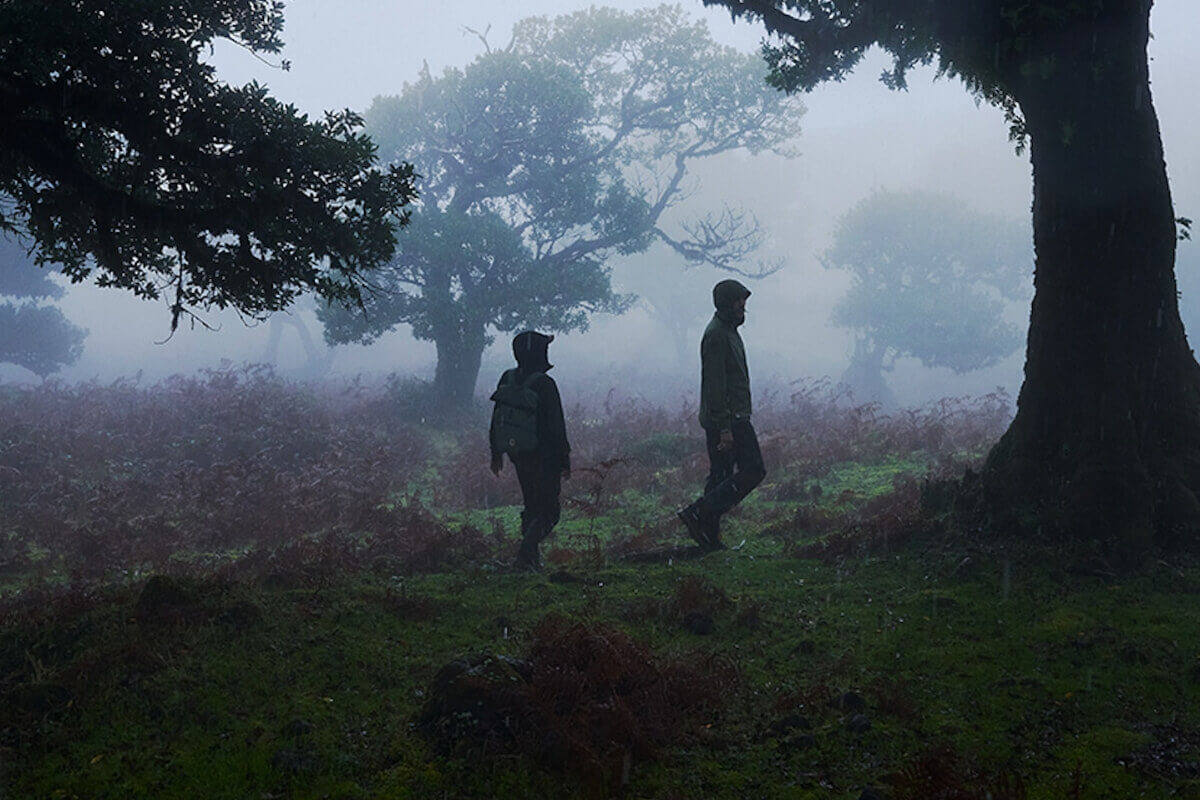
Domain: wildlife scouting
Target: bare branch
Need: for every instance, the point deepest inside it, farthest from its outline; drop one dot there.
(724, 241)
(487, 48)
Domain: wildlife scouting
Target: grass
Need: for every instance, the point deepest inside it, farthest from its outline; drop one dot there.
(1069, 684)
(848, 642)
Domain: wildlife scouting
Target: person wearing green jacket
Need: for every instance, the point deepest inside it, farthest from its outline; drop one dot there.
(735, 461)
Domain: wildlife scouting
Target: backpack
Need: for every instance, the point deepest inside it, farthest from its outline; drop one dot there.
(514, 417)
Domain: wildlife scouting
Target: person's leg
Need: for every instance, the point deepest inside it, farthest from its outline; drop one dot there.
(748, 472)
(702, 525)
(540, 488)
(527, 477)
(746, 452)
(549, 502)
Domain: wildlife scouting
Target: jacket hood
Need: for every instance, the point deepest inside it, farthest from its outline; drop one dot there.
(530, 349)
(725, 294)
(728, 292)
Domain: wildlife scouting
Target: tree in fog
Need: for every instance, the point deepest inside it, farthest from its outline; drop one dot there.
(1106, 441)
(930, 280)
(122, 155)
(677, 300)
(33, 333)
(542, 159)
(318, 359)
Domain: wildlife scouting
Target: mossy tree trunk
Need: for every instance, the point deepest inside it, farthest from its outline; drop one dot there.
(459, 355)
(1105, 445)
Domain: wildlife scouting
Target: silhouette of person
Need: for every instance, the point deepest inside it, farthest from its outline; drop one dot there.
(541, 469)
(735, 461)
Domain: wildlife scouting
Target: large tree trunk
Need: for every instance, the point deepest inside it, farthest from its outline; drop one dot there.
(459, 353)
(864, 376)
(1105, 445)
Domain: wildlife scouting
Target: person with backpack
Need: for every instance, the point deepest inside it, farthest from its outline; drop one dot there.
(528, 426)
(735, 461)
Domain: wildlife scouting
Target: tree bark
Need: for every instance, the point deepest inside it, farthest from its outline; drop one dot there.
(1105, 445)
(459, 354)
(864, 376)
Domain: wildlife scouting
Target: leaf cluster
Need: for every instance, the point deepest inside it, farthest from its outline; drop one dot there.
(996, 47)
(125, 158)
(33, 335)
(540, 160)
(930, 279)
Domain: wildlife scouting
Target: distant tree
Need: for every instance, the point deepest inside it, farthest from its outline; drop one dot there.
(33, 334)
(931, 281)
(542, 159)
(1105, 445)
(122, 155)
(678, 299)
(317, 360)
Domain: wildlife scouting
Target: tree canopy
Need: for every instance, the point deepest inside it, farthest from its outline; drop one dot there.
(33, 333)
(542, 159)
(931, 280)
(122, 156)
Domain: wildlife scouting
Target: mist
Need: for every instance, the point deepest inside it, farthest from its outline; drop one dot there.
(858, 137)
(237, 561)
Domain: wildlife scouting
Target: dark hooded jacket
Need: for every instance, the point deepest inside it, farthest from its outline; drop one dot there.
(724, 376)
(530, 349)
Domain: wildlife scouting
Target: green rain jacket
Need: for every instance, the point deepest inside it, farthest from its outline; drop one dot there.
(724, 376)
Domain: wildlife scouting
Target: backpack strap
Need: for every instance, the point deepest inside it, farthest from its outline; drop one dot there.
(510, 376)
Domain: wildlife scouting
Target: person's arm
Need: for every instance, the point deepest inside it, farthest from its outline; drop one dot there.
(714, 382)
(556, 425)
(497, 457)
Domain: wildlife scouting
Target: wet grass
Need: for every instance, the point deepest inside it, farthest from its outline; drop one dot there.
(857, 643)
(1009, 671)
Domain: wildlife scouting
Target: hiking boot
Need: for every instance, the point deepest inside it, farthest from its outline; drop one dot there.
(711, 527)
(528, 559)
(692, 520)
(690, 517)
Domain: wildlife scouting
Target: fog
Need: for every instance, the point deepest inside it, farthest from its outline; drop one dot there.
(858, 137)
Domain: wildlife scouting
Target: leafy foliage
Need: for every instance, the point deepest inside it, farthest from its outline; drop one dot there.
(987, 45)
(931, 280)
(38, 338)
(32, 335)
(124, 156)
(587, 699)
(542, 159)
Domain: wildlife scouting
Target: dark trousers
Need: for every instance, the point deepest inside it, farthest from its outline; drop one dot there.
(541, 485)
(734, 472)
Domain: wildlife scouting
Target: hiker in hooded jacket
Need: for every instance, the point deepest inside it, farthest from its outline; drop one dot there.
(528, 426)
(735, 461)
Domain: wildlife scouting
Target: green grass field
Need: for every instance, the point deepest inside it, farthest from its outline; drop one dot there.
(978, 671)
(850, 645)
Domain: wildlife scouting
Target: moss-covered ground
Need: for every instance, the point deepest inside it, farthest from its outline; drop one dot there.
(256, 615)
(978, 670)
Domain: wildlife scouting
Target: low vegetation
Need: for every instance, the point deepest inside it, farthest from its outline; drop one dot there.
(230, 586)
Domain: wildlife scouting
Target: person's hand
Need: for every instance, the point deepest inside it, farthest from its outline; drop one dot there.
(726, 440)
(497, 464)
